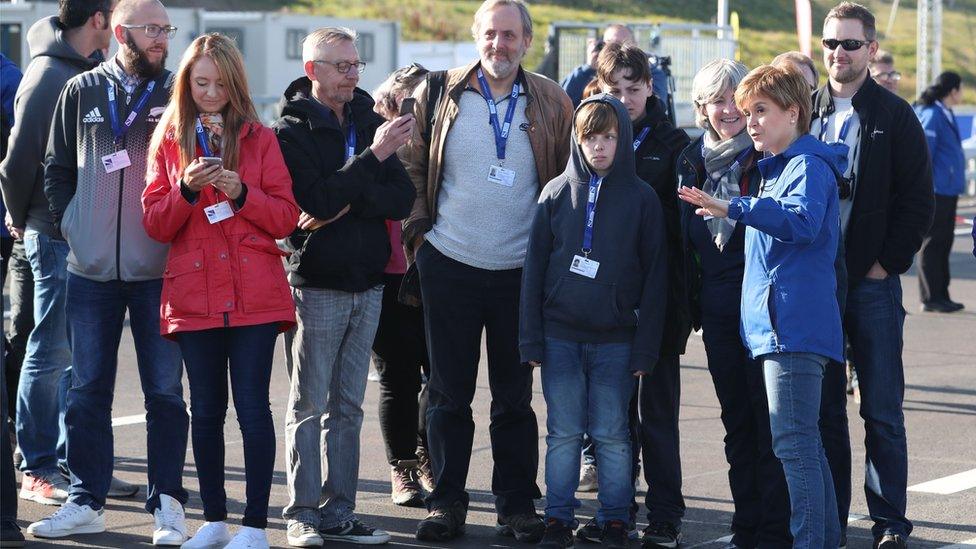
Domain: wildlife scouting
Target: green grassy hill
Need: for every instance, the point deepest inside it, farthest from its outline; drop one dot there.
(767, 26)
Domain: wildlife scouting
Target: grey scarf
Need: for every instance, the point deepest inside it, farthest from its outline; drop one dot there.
(723, 179)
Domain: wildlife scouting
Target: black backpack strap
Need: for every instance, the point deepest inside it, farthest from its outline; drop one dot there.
(436, 81)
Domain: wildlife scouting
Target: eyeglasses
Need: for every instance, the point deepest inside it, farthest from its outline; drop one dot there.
(343, 67)
(849, 44)
(153, 31)
(894, 76)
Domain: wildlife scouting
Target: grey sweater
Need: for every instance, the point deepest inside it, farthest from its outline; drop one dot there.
(53, 63)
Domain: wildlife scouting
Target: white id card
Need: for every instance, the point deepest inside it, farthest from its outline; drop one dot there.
(501, 176)
(584, 266)
(219, 212)
(116, 161)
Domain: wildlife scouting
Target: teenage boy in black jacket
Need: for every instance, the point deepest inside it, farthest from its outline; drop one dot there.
(348, 181)
(886, 209)
(592, 311)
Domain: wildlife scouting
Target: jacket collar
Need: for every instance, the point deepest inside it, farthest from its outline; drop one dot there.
(457, 85)
(864, 98)
(298, 102)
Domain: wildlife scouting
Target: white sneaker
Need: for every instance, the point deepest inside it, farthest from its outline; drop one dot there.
(249, 538)
(70, 519)
(212, 535)
(170, 522)
(303, 531)
(588, 478)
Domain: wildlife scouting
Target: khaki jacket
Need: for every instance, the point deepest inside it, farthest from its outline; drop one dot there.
(550, 115)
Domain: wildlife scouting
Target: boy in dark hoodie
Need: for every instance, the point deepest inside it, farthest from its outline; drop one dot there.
(594, 290)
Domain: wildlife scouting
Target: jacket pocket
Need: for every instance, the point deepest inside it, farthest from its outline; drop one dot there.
(265, 287)
(583, 303)
(185, 286)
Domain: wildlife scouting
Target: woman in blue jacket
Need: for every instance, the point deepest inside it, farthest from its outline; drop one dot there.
(934, 110)
(790, 320)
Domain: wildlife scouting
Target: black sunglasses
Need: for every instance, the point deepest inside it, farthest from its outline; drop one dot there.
(849, 44)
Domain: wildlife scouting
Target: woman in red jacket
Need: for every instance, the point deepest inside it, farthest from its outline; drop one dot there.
(219, 192)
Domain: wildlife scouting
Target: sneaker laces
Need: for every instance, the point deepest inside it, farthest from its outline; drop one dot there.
(65, 512)
(304, 527)
(167, 517)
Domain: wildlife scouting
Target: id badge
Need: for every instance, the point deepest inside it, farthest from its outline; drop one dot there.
(116, 161)
(501, 176)
(219, 212)
(584, 266)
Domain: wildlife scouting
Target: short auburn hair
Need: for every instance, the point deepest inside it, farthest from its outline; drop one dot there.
(628, 57)
(851, 10)
(784, 86)
(593, 118)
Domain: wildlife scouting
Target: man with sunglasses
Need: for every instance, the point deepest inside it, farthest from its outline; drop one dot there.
(94, 177)
(348, 181)
(886, 209)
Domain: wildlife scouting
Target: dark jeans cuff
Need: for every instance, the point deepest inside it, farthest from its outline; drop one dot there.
(84, 498)
(253, 522)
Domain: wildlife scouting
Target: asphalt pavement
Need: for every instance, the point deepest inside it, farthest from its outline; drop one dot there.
(940, 412)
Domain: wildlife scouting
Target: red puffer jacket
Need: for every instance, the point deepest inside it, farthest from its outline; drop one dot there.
(228, 273)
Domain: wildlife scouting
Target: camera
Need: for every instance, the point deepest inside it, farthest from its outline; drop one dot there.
(662, 61)
(845, 187)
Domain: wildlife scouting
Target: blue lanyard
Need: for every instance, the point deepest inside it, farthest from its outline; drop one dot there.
(641, 137)
(350, 141)
(501, 130)
(202, 139)
(113, 113)
(735, 165)
(591, 197)
(845, 127)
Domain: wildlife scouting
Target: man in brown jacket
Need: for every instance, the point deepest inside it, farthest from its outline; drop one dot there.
(499, 135)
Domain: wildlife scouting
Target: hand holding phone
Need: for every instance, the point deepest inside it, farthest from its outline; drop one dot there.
(407, 106)
(202, 172)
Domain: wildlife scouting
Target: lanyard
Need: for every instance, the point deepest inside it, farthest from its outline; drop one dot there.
(845, 127)
(113, 114)
(593, 194)
(641, 137)
(501, 130)
(350, 141)
(735, 165)
(202, 139)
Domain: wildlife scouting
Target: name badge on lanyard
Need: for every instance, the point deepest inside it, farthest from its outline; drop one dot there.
(120, 158)
(497, 173)
(350, 141)
(582, 264)
(641, 137)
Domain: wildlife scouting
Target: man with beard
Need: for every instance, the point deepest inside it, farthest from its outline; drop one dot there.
(886, 206)
(61, 46)
(348, 181)
(96, 169)
(477, 186)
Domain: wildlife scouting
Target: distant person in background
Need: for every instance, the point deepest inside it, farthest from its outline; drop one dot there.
(802, 63)
(934, 110)
(400, 346)
(882, 69)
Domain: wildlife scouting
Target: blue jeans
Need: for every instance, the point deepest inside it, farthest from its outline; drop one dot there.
(46, 373)
(793, 385)
(587, 388)
(96, 313)
(327, 358)
(249, 350)
(875, 320)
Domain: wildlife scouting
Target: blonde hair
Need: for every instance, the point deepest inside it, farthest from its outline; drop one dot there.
(325, 36)
(797, 58)
(710, 83)
(401, 83)
(595, 117)
(784, 86)
(179, 118)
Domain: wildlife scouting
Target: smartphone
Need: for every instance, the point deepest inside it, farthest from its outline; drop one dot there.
(211, 160)
(407, 106)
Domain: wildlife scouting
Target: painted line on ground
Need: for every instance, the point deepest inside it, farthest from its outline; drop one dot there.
(947, 485)
(128, 420)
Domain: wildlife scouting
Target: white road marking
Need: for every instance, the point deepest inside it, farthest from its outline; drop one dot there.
(128, 420)
(968, 544)
(947, 485)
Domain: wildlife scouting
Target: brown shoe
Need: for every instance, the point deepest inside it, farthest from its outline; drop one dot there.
(405, 490)
(424, 473)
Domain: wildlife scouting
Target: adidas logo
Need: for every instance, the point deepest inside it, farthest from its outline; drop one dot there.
(93, 116)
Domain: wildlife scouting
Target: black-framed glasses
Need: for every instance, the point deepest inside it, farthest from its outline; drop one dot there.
(894, 76)
(153, 31)
(343, 67)
(849, 44)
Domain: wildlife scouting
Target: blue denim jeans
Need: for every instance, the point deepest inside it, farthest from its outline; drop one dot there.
(875, 321)
(46, 373)
(793, 385)
(96, 314)
(587, 388)
(327, 358)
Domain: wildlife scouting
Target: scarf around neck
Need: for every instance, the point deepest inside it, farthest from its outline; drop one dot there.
(723, 179)
(213, 126)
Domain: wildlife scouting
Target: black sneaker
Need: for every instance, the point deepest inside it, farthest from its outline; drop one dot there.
(661, 535)
(558, 535)
(443, 523)
(524, 527)
(353, 531)
(890, 541)
(590, 532)
(10, 535)
(615, 534)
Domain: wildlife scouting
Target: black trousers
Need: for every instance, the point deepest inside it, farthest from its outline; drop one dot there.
(933, 257)
(21, 320)
(460, 303)
(400, 354)
(659, 398)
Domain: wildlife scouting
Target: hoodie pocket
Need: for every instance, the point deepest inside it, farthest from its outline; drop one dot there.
(582, 303)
